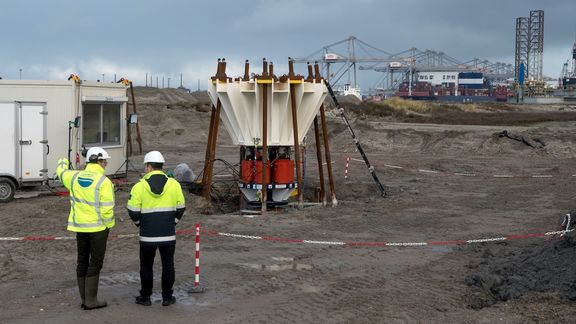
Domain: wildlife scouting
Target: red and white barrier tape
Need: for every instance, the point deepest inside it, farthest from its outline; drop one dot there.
(382, 244)
(476, 174)
(461, 174)
(59, 238)
(316, 242)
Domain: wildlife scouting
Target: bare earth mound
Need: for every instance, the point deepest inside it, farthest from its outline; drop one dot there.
(505, 273)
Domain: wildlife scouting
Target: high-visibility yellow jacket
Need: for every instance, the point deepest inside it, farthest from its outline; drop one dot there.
(156, 205)
(91, 197)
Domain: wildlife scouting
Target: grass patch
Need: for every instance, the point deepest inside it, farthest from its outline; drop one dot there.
(406, 105)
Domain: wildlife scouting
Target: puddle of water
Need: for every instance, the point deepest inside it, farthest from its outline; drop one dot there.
(120, 278)
(277, 267)
(252, 266)
(182, 297)
(293, 266)
(283, 259)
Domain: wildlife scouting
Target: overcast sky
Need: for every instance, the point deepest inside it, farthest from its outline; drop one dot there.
(49, 39)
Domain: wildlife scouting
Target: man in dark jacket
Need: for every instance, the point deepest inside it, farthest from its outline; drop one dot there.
(156, 205)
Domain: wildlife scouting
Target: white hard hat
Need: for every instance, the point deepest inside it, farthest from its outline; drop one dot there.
(96, 153)
(154, 157)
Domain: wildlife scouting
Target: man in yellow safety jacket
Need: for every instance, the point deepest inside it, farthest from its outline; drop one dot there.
(91, 217)
(156, 205)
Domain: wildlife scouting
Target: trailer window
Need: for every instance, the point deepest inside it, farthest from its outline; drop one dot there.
(101, 124)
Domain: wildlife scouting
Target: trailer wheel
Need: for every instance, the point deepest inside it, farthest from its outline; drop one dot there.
(7, 189)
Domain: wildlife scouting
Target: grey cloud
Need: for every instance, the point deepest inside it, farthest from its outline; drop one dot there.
(163, 36)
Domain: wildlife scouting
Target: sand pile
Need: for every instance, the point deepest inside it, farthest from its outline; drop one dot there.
(172, 117)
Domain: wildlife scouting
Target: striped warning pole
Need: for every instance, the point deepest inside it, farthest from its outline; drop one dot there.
(197, 267)
(346, 169)
(197, 288)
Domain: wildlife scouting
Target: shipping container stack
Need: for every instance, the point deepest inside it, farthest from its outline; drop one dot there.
(420, 90)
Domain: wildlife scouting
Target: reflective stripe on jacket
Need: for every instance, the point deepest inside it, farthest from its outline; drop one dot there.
(91, 197)
(156, 204)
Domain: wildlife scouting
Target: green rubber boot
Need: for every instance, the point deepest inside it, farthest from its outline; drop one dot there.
(91, 291)
(82, 289)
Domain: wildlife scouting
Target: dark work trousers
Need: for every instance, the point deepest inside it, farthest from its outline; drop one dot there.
(147, 254)
(91, 251)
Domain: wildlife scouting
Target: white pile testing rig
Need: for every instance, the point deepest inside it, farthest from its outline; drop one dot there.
(268, 118)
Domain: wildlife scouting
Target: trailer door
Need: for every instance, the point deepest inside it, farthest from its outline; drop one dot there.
(8, 138)
(33, 141)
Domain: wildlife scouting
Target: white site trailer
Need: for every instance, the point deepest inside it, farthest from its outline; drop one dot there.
(36, 118)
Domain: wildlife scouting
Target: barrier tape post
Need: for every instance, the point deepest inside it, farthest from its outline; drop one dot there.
(346, 169)
(196, 288)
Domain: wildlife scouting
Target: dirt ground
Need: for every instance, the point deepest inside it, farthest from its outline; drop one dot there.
(256, 281)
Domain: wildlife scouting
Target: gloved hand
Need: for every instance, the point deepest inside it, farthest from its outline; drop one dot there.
(63, 163)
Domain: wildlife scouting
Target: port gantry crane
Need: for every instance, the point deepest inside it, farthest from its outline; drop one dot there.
(346, 57)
